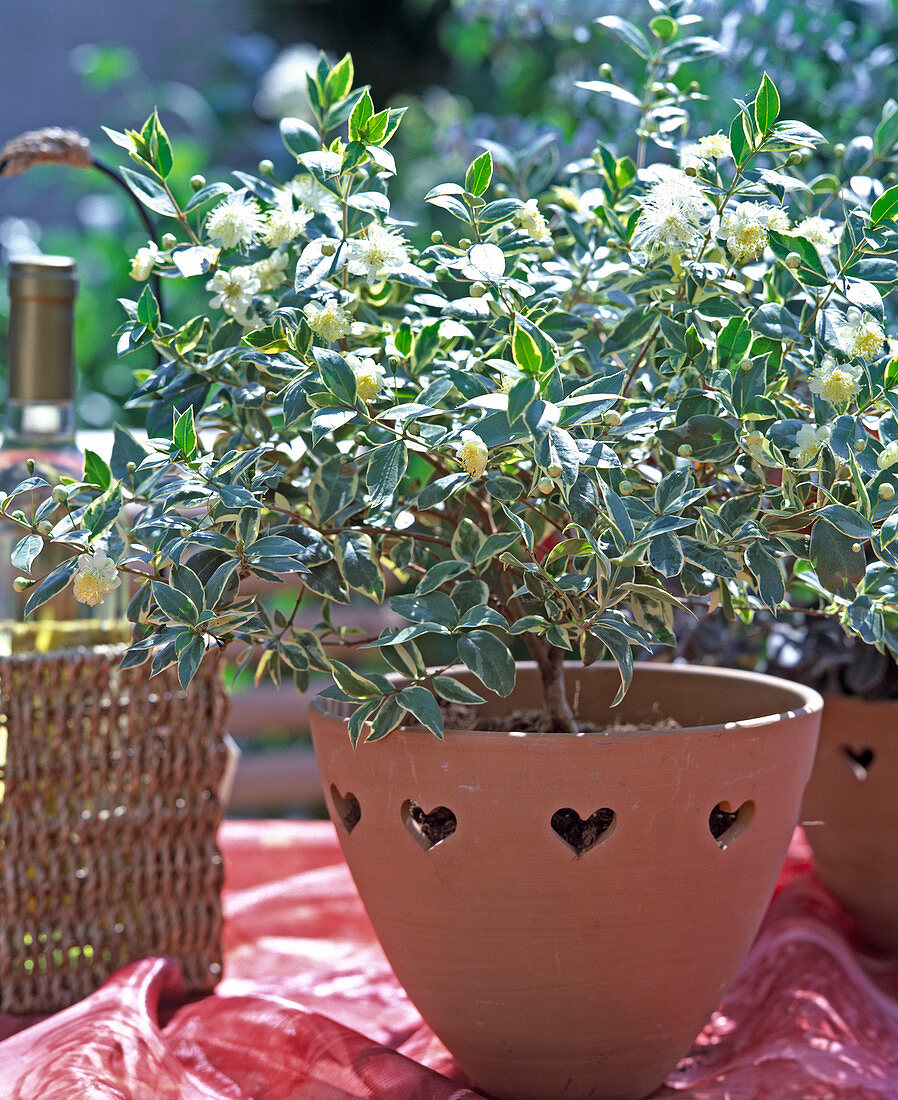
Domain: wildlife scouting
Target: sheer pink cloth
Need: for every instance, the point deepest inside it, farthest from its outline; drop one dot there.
(309, 1010)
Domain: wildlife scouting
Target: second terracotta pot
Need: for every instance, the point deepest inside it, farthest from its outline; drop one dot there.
(850, 813)
(558, 907)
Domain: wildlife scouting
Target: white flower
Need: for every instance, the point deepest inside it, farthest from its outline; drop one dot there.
(95, 577)
(143, 263)
(808, 441)
(817, 230)
(745, 228)
(888, 456)
(369, 377)
(861, 337)
(314, 196)
(282, 222)
(235, 221)
(270, 271)
(710, 147)
(331, 321)
(376, 252)
(282, 90)
(533, 222)
(837, 383)
(672, 214)
(233, 291)
(473, 454)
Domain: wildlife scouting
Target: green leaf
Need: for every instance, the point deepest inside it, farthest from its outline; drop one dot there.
(775, 321)
(184, 434)
(768, 576)
(148, 309)
(621, 654)
(422, 704)
(190, 657)
(96, 470)
(25, 551)
(433, 607)
(885, 207)
(389, 715)
(479, 174)
(339, 80)
(355, 685)
(439, 574)
(767, 104)
(298, 136)
(358, 718)
(839, 567)
(739, 141)
(489, 659)
(336, 374)
(357, 561)
(150, 193)
(54, 582)
(846, 520)
(524, 391)
(467, 541)
(386, 466)
(175, 605)
(454, 692)
(101, 513)
(630, 34)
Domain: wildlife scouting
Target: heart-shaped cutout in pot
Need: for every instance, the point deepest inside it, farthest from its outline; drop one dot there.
(347, 808)
(859, 760)
(727, 824)
(580, 835)
(428, 828)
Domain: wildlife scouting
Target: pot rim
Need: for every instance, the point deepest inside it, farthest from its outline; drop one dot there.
(808, 700)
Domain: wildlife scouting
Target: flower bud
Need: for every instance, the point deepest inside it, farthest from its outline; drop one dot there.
(684, 450)
(44, 527)
(625, 488)
(794, 157)
(793, 261)
(605, 71)
(436, 237)
(855, 548)
(266, 167)
(465, 242)
(22, 584)
(694, 87)
(327, 250)
(886, 491)
(545, 485)
(169, 240)
(839, 149)
(691, 170)
(553, 470)
(745, 366)
(197, 182)
(478, 290)
(611, 418)
(59, 494)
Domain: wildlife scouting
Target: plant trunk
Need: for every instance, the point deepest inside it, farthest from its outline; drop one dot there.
(551, 669)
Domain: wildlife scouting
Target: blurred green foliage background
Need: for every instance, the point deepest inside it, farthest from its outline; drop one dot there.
(470, 71)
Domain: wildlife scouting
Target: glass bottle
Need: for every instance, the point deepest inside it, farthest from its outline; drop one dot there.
(40, 427)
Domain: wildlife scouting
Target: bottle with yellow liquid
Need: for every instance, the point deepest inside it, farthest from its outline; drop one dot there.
(39, 429)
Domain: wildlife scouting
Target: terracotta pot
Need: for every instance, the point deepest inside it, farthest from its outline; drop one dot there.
(551, 972)
(850, 813)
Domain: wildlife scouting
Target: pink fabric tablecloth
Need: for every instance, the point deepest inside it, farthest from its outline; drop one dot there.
(308, 1008)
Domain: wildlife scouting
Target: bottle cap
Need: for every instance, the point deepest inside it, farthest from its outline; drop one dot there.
(42, 293)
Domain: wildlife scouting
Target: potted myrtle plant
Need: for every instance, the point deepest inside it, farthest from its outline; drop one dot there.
(604, 395)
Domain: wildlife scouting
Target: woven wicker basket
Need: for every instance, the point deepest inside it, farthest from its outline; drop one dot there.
(109, 809)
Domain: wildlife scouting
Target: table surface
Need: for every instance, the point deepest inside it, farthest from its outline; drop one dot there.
(308, 1008)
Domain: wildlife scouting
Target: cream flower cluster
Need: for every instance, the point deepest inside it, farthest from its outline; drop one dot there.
(710, 147)
(819, 231)
(95, 577)
(145, 260)
(808, 441)
(673, 212)
(331, 321)
(837, 383)
(233, 291)
(861, 337)
(376, 252)
(534, 223)
(745, 227)
(473, 454)
(236, 222)
(284, 222)
(369, 377)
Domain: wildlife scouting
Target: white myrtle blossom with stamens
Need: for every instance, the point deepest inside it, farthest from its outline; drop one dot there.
(746, 225)
(808, 441)
(283, 222)
(710, 147)
(369, 377)
(96, 575)
(271, 271)
(673, 215)
(837, 383)
(860, 337)
(331, 321)
(377, 252)
(534, 223)
(473, 454)
(233, 291)
(236, 222)
(314, 197)
(143, 263)
(817, 230)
